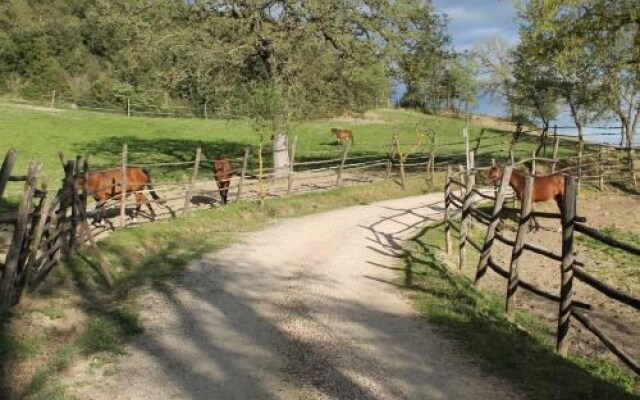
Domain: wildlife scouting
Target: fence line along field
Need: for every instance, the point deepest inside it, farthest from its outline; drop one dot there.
(47, 214)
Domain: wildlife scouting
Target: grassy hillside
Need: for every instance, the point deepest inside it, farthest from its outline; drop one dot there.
(39, 133)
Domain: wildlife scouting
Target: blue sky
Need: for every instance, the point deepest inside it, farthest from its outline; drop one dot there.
(476, 20)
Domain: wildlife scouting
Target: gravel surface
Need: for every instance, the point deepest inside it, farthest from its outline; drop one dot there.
(306, 309)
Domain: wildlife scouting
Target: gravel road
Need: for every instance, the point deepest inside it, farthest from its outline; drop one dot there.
(306, 309)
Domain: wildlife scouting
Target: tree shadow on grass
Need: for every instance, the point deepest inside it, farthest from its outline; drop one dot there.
(158, 150)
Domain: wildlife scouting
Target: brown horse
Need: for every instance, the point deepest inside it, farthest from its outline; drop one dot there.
(545, 187)
(105, 185)
(343, 134)
(223, 170)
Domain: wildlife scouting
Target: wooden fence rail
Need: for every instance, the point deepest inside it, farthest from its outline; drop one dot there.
(570, 268)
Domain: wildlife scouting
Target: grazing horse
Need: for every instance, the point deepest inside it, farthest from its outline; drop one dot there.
(223, 170)
(343, 134)
(545, 187)
(105, 185)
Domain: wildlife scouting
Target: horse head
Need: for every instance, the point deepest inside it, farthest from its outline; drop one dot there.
(495, 173)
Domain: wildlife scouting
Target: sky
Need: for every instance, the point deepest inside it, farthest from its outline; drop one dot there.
(472, 21)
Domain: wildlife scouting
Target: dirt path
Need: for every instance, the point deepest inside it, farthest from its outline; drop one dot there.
(306, 309)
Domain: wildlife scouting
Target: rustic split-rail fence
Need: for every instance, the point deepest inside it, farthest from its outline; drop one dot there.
(466, 207)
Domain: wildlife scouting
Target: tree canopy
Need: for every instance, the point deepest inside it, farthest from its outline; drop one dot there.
(316, 57)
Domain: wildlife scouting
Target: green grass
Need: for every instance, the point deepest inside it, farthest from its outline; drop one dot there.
(40, 134)
(521, 352)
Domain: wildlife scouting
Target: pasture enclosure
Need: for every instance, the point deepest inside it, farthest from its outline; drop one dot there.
(463, 209)
(57, 226)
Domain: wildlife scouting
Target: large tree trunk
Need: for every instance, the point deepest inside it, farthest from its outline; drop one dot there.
(280, 143)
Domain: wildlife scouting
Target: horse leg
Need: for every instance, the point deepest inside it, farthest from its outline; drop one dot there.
(148, 203)
(224, 191)
(559, 198)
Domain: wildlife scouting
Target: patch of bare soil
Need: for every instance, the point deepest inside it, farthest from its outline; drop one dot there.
(620, 322)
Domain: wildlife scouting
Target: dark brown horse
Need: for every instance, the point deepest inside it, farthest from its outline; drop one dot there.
(545, 187)
(223, 171)
(105, 185)
(343, 134)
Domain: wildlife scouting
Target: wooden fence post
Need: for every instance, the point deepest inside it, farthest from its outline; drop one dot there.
(53, 99)
(513, 161)
(65, 203)
(556, 143)
(243, 173)
(85, 194)
(192, 183)
(123, 183)
(206, 116)
(128, 108)
(533, 163)
(292, 157)
(73, 235)
(491, 229)
(7, 167)
(472, 166)
(261, 193)
(432, 157)
(39, 221)
(447, 204)
(345, 152)
(566, 288)
(580, 150)
(401, 158)
(518, 248)
(601, 168)
(17, 240)
(391, 154)
(462, 251)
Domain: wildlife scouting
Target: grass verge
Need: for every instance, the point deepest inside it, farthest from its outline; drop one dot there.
(521, 353)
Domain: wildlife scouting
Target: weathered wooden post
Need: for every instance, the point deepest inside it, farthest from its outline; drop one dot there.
(65, 203)
(432, 156)
(566, 271)
(85, 193)
(39, 221)
(73, 235)
(243, 173)
(447, 204)
(518, 248)
(391, 154)
(17, 240)
(7, 167)
(580, 150)
(53, 99)
(493, 225)
(206, 115)
(472, 166)
(128, 108)
(533, 162)
(401, 159)
(601, 168)
(513, 161)
(462, 251)
(192, 183)
(345, 152)
(292, 157)
(556, 143)
(103, 264)
(261, 193)
(123, 190)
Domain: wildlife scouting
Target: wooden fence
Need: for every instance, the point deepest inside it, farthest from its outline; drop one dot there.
(466, 205)
(50, 226)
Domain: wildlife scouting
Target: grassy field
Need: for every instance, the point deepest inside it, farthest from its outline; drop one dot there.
(39, 133)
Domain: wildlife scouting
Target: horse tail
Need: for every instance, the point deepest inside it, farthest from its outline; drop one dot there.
(152, 191)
